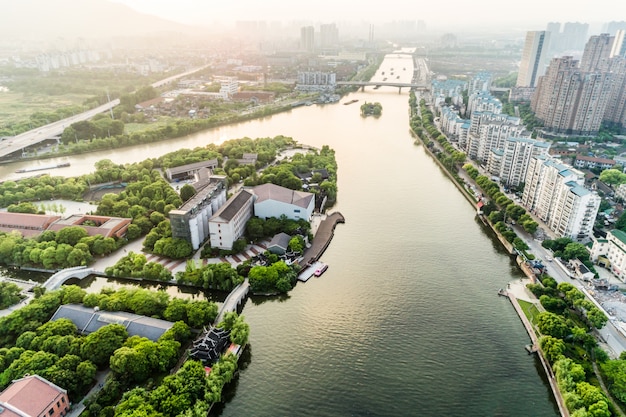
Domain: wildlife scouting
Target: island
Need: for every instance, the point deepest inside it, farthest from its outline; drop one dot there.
(371, 109)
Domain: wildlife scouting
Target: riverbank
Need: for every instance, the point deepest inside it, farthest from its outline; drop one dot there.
(510, 295)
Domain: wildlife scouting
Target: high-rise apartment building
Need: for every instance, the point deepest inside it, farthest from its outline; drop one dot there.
(574, 36)
(307, 38)
(554, 192)
(534, 58)
(615, 112)
(570, 101)
(619, 44)
(510, 163)
(329, 35)
(597, 53)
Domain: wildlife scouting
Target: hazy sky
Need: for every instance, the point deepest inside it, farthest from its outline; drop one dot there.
(535, 13)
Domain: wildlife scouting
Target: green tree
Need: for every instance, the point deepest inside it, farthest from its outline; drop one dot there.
(186, 192)
(100, 345)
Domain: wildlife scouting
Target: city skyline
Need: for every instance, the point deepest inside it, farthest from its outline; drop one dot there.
(198, 12)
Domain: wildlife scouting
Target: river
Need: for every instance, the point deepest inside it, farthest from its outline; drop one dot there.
(406, 320)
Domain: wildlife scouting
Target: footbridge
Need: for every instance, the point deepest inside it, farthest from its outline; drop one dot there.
(400, 85)
(58, 279)
(236, 297)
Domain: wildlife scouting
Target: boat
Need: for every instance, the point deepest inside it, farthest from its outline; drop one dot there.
(383, 73)
(63, 165)
(350, 102)
(320, 270)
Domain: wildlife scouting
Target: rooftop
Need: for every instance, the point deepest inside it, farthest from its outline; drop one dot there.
(277, 193)
(30, 396)
(232, 206)
(88, 320)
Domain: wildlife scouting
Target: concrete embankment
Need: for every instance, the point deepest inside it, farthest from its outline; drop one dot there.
(510, 294)
(322, 239)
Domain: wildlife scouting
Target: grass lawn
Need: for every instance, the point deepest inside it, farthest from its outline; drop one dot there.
(530, 310)
(17, 107)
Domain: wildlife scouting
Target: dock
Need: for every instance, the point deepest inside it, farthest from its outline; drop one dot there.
(325, 233)
(308, 272)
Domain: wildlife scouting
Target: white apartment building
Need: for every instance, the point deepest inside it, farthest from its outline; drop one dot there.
(491, 135)
(510, 163)
(316, 81)
(612, 248)
(554, 192)
(229, 223)
(229, 86)
(483, 101)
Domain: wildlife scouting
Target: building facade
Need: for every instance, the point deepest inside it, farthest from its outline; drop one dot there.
(555, 193)
(229, 223)
(275, 201)
(190, 222)
(34, 396)
(534, 58)
(612, 248)
(510, 163)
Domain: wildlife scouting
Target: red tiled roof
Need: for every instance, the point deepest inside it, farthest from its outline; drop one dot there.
(32, 395)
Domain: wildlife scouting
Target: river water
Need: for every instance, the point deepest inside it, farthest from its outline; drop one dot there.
(406, 320)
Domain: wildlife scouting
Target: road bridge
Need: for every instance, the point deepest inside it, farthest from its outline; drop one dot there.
(400, 85)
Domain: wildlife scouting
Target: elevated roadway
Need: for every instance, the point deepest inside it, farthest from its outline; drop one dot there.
(400, 85)
(14, 146)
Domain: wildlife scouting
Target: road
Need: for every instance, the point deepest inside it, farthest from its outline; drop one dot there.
(18, 143)
(612, 337)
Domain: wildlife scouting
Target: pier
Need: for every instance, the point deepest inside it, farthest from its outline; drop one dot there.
(323, 236)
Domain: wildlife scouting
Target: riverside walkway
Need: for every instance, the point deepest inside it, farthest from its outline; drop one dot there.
(324, 234)
(519, 288)
(232, 301)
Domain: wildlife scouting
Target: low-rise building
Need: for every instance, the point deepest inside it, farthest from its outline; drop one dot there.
(613, 248)
(29, 225)
(189, 170)
(591, 162)
(33, 396)
(229, 222)
(275, 201)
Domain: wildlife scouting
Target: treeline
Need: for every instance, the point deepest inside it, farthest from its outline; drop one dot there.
(70, 246)
(136, 265)
(220, 276)
(567, 343)
(180, 127)
(566, 249)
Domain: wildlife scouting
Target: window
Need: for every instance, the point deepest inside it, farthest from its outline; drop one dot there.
(63, 400)
(58, 404)
(50, 411)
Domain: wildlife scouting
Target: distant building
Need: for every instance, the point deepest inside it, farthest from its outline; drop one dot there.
(612, 248)
(590, 162)
(191, 221)
(189, 170)
(31, 225)
(34, 396)
(229, 223)
(95, 225)
(307, 38)
(316, 81)
(534, 58)
(329, 35)
(229, 87)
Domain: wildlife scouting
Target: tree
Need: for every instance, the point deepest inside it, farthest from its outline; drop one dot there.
(186, 192)
(130, 363)
(71, 235)
(612, 177)
(552, 324)
(552, 347)
(100, 345)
